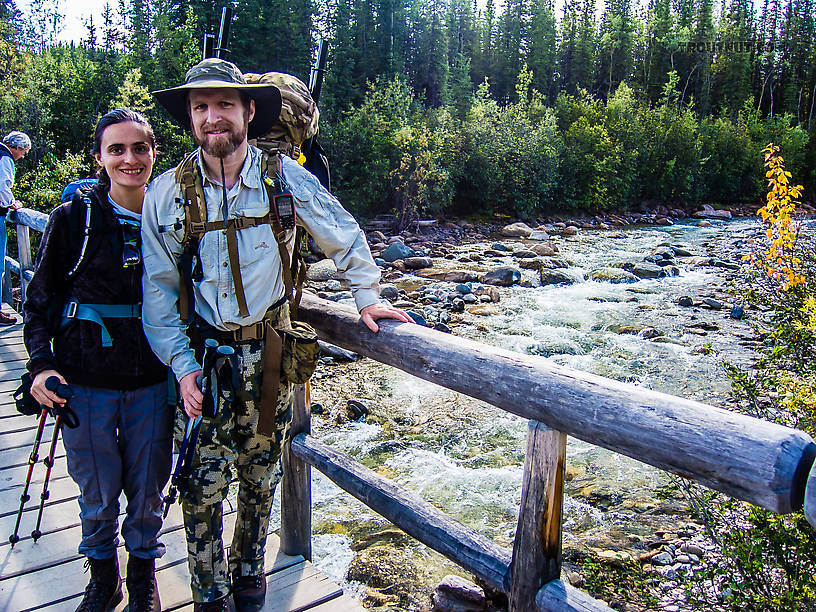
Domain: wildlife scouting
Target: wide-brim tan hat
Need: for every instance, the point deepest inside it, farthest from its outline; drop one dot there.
(214, 73)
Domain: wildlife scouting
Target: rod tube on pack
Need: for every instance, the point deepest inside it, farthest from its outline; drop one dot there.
(318, 70)
(208, 48)
(224, 32)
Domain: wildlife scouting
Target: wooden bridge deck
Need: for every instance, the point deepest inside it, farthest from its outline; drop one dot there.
(49, 574)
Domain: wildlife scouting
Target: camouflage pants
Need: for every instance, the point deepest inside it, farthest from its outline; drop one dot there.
(228, 444)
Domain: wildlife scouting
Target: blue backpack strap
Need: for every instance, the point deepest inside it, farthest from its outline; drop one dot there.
(95, 313)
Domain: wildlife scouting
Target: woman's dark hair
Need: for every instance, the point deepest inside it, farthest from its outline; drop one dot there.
(119, 115)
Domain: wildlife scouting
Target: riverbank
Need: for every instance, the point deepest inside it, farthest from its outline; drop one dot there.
(668, 330)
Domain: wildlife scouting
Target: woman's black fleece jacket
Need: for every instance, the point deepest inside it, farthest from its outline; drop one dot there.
(77, 352)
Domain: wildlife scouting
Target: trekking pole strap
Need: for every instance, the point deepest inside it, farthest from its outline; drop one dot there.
(97, 312)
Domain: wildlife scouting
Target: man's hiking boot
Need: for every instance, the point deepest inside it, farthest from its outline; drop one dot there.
(248, 592)
(104, 590)
(143, 592)
(219, 605)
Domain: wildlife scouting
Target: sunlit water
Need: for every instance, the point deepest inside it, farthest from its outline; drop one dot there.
(467, 458)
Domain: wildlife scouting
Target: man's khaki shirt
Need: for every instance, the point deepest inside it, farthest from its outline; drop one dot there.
(331, 226)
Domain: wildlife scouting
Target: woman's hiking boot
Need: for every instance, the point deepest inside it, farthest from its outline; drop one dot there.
(143, 592)
(248, 592)
(104, 589)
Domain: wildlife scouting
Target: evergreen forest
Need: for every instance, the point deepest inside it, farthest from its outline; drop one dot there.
(455, 107)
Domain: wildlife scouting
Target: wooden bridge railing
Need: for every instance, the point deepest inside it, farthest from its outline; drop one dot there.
(753, 460)
(763, 463)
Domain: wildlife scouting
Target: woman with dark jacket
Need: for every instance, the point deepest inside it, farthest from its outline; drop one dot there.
(82, 325)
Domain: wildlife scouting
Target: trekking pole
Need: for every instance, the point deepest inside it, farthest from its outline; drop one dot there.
(52, 383)
(33, 458)
(184, 458)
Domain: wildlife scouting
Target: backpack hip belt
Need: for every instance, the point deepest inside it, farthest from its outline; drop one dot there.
(96, 313)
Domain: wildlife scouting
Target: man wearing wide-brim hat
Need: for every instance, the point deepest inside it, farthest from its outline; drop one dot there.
(239, 292)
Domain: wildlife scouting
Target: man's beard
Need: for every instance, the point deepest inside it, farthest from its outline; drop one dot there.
(223, 144)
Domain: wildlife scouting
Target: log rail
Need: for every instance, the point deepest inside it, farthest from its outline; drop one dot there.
(763, 463)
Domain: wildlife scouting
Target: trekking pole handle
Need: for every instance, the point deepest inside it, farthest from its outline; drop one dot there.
(53, 384)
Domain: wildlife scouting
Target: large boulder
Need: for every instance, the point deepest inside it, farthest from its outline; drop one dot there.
(417, 263)
(322, 271)
(709, 212)
(517, 230)
(556, 277)
(397, 250)
(546, 250)
(613, 275)
(503, 276)
(455, 594)
(648, 270)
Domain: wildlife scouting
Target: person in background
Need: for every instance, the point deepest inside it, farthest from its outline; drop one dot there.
(123, 441)
(15, 146)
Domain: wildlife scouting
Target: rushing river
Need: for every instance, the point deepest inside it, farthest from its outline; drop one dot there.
(466, 457)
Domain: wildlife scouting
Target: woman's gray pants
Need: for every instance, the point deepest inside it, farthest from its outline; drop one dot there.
(123, 443)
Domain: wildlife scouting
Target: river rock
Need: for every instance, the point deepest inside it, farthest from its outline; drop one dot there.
(737, 312)
(704, 223)
(321, 271)
(709, 212)
(356, 410)
(418, 318)
(538, 235)
(376, 236)
(692, 549)
(524, 254)
(483, 310)
(647, 270)
(685, 301)
(553, 263)
(546, 250)
(397, 250)
(333, 285)
(458, 305)
(664, 558)
(556, 277)
(504, 276)
(456, 594)
(384, 567)
(620, 328)
(681, 251)
(712, 303)
(389, 292)
(532, 264)
(470, 298)
(498, 246)
(417, 263)
(335, 352)
(570, 230)
(650, 333)
(613, 275)
(516, 230)
(460, 276)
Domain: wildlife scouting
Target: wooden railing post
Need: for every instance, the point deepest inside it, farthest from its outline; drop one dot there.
(24, 257)
(537, 547)
(296, 484)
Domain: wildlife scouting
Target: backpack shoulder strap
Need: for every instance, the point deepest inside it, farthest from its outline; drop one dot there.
(84, 219)
(294, 268)
(188, 176)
